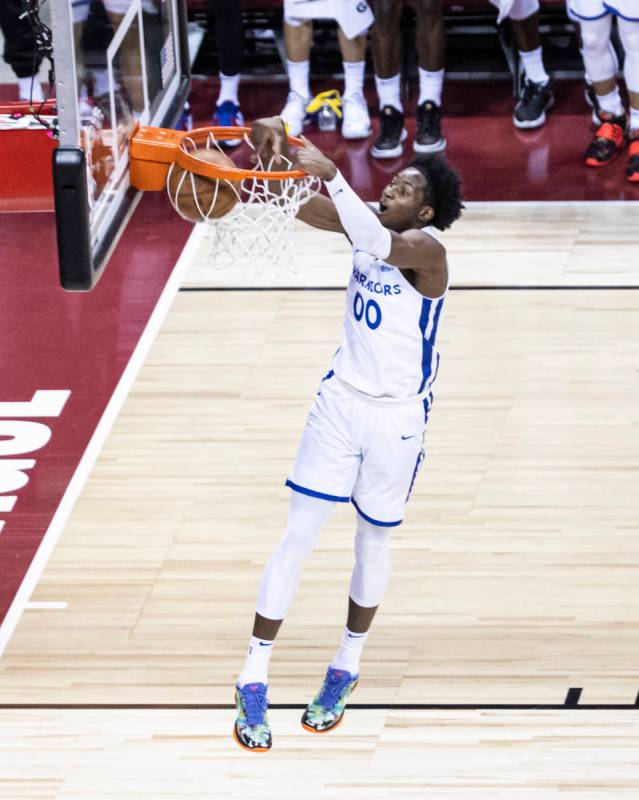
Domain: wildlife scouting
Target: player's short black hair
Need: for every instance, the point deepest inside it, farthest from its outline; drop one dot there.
(443, 189)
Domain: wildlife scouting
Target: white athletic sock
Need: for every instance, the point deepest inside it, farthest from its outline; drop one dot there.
(389, 92)
(611, 102)
(298, 72)
(24, 88)
(353, 78)
(430, 86)
(229, 86)
(634, 119)
(349, 652)
(256, 664)
(534, 65)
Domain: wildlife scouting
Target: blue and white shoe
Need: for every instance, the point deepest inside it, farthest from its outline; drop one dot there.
(252, 730)
(226, 115)
(327, 709)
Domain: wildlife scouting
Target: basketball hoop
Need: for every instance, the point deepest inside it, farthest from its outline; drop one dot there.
(255, 236)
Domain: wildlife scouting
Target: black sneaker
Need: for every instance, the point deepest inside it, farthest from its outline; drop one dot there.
(391, 134)
(428, 138)
(534, 100)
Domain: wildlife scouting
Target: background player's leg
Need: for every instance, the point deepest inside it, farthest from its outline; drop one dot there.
(18, 49)
(280, 579)
(298, 37)
(386, 46)
(356, 123)
(535, 96)
(602, 68)
(431, 47)
(229, 39)
(629, 34)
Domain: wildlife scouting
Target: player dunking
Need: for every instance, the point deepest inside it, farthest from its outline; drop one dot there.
(363, 438)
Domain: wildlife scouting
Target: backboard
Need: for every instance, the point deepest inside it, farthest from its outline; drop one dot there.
(117, 63)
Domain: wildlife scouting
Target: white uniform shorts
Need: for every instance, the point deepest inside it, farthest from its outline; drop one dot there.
(353, 16)
(360, 450)
(584, 10)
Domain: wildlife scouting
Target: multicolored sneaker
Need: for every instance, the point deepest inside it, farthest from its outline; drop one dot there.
(228, 114)
(608, 142)
(327, 709)
(632, 166)
(252, 730)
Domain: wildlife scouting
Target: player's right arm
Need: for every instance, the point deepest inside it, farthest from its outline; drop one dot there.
(269, 139)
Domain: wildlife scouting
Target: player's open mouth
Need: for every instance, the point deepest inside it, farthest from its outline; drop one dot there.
(382, 207)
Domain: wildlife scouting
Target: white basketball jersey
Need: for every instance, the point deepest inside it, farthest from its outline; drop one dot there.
(389, 332)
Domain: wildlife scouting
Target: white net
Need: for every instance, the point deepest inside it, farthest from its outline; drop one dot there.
(255, 236)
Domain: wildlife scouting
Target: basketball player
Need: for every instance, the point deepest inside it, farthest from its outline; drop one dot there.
(535, 96)
(600, 61)
(363, 438)
(353, 18)
(431, 50)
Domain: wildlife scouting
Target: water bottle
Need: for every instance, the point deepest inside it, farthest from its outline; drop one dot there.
(326, 118)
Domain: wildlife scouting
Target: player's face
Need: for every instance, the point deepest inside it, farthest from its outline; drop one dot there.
(401, 205)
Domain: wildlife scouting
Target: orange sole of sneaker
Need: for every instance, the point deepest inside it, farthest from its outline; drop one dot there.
(591, 162)
(250, 749)
(327, 730)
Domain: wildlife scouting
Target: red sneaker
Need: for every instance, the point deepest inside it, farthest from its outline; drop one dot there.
(608, 141)
(632, 166)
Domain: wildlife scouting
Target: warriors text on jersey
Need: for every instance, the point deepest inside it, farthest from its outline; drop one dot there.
(389, 333)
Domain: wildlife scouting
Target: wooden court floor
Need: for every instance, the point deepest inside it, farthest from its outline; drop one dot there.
(514, 575)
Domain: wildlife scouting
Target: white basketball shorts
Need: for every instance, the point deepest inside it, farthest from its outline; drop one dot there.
(359, 450)
(353, 16)
(584, 10)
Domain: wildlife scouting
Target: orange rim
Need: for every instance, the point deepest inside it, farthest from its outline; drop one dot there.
(153, 150)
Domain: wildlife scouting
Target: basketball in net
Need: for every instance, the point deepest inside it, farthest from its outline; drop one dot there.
(251, 211)
(197, 197)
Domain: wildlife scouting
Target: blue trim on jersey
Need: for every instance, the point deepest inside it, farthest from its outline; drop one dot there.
(420, 458)
(438, 311)
(428, 345)
(426, 350)
(313, 493)
(375, 521)
(328, 376)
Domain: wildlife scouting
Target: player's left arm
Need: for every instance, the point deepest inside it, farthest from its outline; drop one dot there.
(410, 250)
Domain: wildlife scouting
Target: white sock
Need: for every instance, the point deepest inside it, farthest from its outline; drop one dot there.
(389, 92)
(353, 78)
(298, 72)
(256, 664)
(430, 86)
(229, 85)
(24, 88)
(534, 65)
(611, 102)
(349, 652)
(634, 119)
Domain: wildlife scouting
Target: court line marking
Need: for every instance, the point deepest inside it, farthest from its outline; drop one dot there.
(302, 706)
(76, 484)
(37, 605)
(506, 287)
